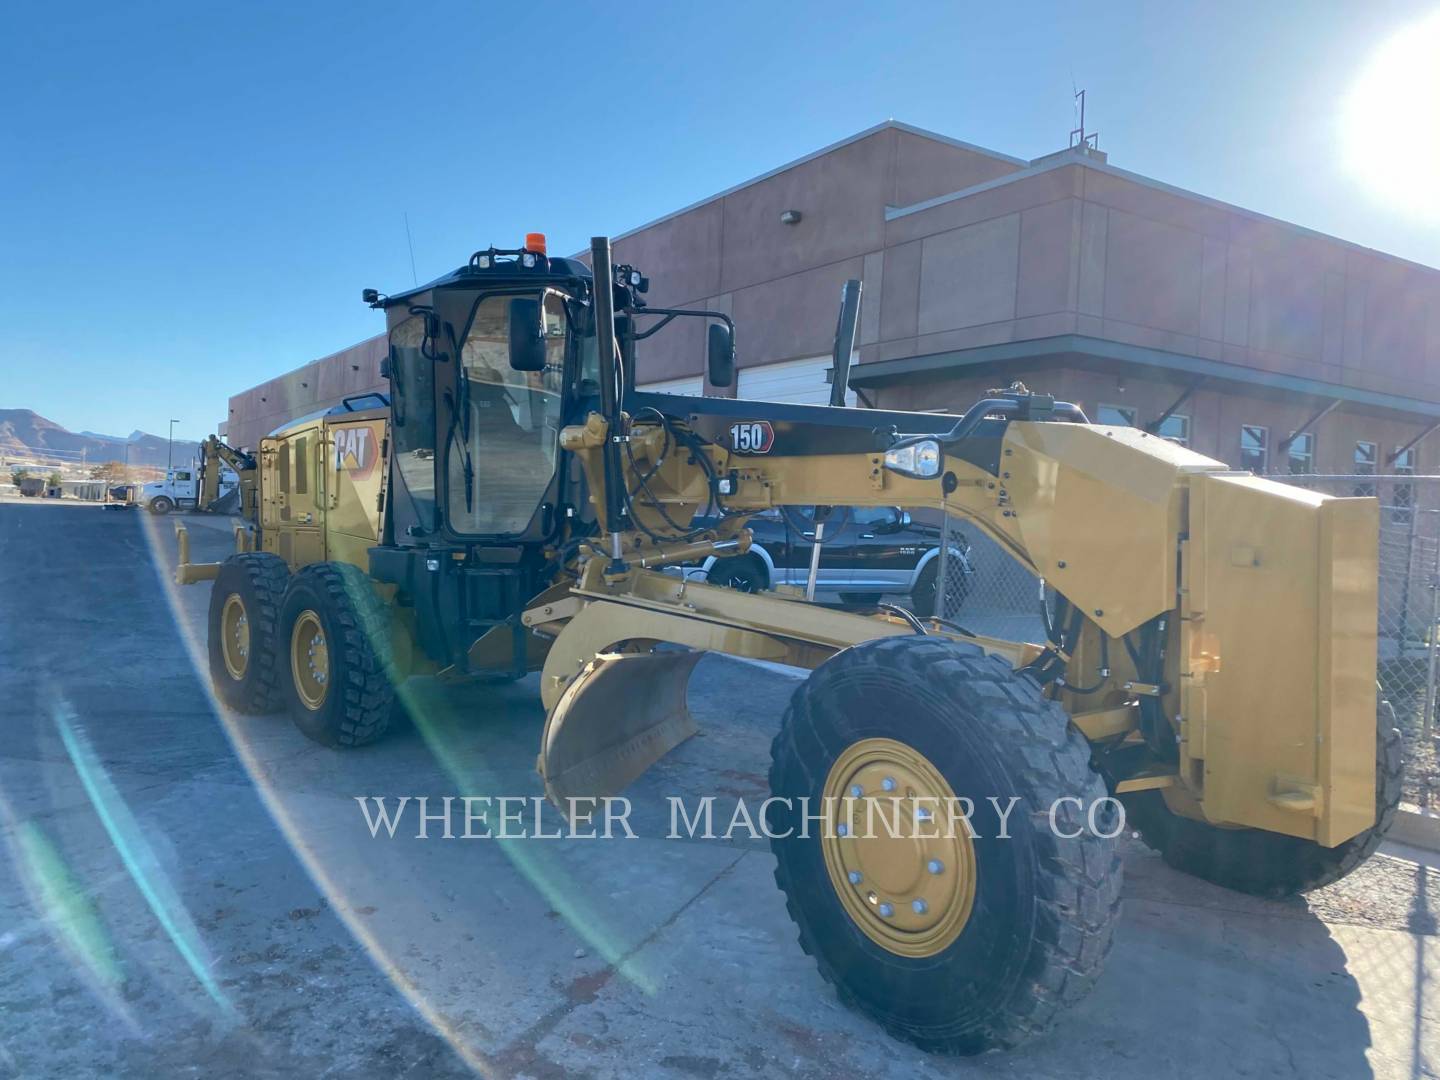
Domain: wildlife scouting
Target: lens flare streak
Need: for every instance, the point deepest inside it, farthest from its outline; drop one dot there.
(139, 859)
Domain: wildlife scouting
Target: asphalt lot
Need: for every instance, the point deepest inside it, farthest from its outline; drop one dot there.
(186, 893)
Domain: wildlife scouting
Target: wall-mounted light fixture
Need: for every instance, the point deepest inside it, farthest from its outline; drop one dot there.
(790, 217)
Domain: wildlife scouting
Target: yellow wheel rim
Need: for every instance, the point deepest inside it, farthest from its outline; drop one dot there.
(904, 873)
(235, 637)
(310, 660)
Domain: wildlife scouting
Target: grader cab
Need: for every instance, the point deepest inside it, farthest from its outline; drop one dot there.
(1209, 664)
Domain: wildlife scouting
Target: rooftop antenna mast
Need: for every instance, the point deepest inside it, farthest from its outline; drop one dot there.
(1078, 136)
(413, 276)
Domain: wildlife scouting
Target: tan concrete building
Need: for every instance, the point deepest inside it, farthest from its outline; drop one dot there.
(1135, 299)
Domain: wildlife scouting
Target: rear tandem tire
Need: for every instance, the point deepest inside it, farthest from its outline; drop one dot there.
(1265, 863)
(244, 646)
(336, 657)
(1042, 907)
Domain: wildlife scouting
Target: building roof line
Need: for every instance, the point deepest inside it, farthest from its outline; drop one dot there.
(886, 125)
(880, 371)
(1080, 159)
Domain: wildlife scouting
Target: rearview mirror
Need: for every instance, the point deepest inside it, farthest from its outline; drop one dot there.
(721, 355)
(527, 335)
(902, 520)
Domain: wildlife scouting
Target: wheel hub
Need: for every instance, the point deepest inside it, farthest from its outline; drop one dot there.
(310, 660)
(903, 872)
(235, 637)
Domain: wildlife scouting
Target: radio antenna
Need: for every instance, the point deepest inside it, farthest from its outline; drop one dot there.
(1079, 137)
(411, 243)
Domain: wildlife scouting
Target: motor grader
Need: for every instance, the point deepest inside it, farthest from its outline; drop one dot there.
(1209, 661)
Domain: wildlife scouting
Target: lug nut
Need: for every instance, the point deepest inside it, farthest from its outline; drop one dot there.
(856, 791)
(886, 911)
(842, 830)
(919, 907)
(854, 876)
(888, 784)
(935, 866)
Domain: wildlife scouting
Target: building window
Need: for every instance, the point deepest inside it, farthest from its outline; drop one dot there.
(1365, 466)
(1302, 454)
(1116, 416)
(1176, 428)
(1404, 497)
(1254, 447)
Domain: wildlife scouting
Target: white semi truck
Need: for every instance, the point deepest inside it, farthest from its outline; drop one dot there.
(181, 489)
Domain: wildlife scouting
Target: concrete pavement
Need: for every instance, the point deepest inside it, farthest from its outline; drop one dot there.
(188, 891)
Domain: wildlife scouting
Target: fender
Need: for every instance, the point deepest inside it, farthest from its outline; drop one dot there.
(929, 557)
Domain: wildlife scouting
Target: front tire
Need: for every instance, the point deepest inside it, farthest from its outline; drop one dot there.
(244, 644)
(336, 644)
(161, 505)
(951, 966)
(1264, 863)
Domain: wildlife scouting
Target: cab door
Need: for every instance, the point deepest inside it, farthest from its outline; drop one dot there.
(836, 548)
(306, 495)
(881, 554)
(292, 486)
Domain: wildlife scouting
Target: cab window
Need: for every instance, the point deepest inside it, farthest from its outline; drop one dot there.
(504, 436)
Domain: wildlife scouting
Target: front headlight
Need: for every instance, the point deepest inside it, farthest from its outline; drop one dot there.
(920, 459)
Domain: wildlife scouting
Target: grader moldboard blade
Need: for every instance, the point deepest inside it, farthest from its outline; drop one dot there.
(620, 715)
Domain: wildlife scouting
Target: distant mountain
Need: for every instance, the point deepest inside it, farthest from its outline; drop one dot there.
(25, 434)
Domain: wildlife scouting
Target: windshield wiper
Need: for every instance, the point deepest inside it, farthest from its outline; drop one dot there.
(467, 466)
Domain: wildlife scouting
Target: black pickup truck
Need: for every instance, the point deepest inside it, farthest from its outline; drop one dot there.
(866, 552)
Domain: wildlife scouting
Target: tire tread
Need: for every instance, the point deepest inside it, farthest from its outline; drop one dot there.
(1078, 881)
(367, 686)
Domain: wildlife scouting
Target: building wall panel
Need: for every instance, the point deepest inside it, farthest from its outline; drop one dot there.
(968, 276)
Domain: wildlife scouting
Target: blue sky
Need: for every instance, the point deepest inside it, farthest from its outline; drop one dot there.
(192, 195)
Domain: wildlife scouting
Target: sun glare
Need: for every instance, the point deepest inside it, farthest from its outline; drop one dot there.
(1391, 121)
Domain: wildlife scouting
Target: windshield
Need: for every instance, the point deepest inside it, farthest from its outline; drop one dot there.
(505, 424)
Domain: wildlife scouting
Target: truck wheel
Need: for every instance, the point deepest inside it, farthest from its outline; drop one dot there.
(925, 597)
(1265, 863)
(954, 942)
(161, 505)
(243, 631)
(336, 640)
(742, 572)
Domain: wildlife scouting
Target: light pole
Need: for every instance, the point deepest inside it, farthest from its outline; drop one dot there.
(170, 450)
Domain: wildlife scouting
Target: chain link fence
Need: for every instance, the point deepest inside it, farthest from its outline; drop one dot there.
(984, 588)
